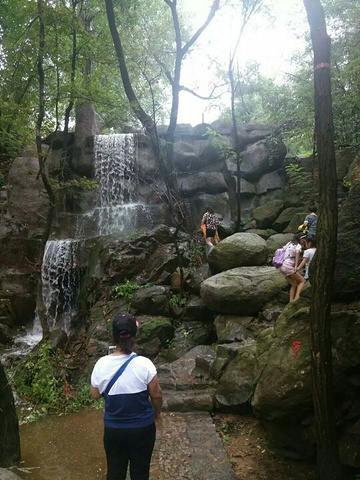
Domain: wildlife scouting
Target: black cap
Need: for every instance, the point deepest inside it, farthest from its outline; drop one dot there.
(124, 325)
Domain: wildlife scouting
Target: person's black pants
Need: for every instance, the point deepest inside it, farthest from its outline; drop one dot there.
(124, 445)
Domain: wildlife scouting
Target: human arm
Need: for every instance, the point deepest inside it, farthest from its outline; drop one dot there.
(297, 257)
(94, 391)
(155, 393)
(303, 263)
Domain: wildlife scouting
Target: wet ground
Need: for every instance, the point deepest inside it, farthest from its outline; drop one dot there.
(70, 448)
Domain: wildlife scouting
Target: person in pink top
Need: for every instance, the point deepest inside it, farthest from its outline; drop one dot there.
(289, 268)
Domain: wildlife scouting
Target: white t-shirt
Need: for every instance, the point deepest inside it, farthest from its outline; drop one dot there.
(136, 377)
(127, 403)
(309, 254)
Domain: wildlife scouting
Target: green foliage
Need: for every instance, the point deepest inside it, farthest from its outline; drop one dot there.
(42, 381)
(219, 142)
(176, 301)
(126, 289)
(83, 183)
(196, 256)
(301, 181)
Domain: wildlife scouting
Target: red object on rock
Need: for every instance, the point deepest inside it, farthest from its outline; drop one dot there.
(296, 348)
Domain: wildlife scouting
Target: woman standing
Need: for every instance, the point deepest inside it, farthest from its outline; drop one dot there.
(209, 225)
(290, 266)
(126, 381)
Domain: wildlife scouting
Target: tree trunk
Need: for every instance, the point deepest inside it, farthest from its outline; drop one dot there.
(322, 284)
(9, 425)
(42, 161)
(237, 148)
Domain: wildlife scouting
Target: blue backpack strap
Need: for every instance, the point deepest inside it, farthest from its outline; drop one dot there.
(118, 374)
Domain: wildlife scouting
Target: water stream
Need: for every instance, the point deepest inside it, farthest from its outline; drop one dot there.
(65, 447)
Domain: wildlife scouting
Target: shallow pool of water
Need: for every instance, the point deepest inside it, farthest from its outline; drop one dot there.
(68, 447)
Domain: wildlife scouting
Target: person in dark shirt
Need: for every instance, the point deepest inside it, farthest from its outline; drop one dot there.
(310, 222)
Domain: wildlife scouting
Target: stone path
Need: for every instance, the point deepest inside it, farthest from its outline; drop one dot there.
(189, 448)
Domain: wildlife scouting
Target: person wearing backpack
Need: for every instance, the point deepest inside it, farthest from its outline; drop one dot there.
(289, 267)
(126, 381)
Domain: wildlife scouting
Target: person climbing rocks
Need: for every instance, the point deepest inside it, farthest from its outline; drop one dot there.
(310, 245)
(309, 225)
(209, 225)
(126, 381)
(289, 268)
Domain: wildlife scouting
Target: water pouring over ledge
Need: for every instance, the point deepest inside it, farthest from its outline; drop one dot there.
(116, 173)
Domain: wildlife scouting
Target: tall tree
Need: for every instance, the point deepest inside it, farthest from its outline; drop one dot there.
(248, 9)
(9, 425)
(181, 49)
(322, 284)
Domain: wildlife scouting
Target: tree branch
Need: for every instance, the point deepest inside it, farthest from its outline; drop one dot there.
(214, 8)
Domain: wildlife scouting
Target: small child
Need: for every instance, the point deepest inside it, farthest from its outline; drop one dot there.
(310, 244)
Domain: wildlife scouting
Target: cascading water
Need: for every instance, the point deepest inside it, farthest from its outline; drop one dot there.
(61, 282)
(116, 164)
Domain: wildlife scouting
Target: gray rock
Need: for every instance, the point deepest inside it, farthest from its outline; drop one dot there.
(199, 202)
(186, 337)
(185, 157)
(262, 233)
(6, 474)
(236, 384)
(277, 241)
(28, 202)
(152, 300)
(5, 334)
(242, 291)
(347, 274)
(285, 217)
(240, 249)
(195, 309)
(297, 220)
(259, 158)
(153, 334)
(269, 181)
(196, 277)
(232, 328)
(148, 165)
(211, 182)
(267, 213)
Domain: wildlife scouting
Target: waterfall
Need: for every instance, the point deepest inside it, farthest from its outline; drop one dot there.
(116, 164)
(61, 281)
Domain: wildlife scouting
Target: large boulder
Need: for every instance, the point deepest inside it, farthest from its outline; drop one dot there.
(347, 274)
(232, 328)
(238, 250)
(259, 158)
(236, 384)
(243, 290)
(200, 201)
(285, 217)
(209, 182)
(268, 182)
(267, 213)
(196, 277)
(28, 201)
(283, 383)
(277, 241)
(154, 333)
(297, 220)
(152, 300)
(344, 159)
(187, 336)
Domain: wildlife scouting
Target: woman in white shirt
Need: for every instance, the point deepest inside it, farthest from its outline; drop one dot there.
(289, 268)
(126, 381)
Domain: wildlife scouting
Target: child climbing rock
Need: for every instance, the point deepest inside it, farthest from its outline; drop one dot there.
(289, 268)
(209, 225)
(310, 244)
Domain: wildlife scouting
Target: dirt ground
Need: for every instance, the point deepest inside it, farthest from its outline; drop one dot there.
(252, 456)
